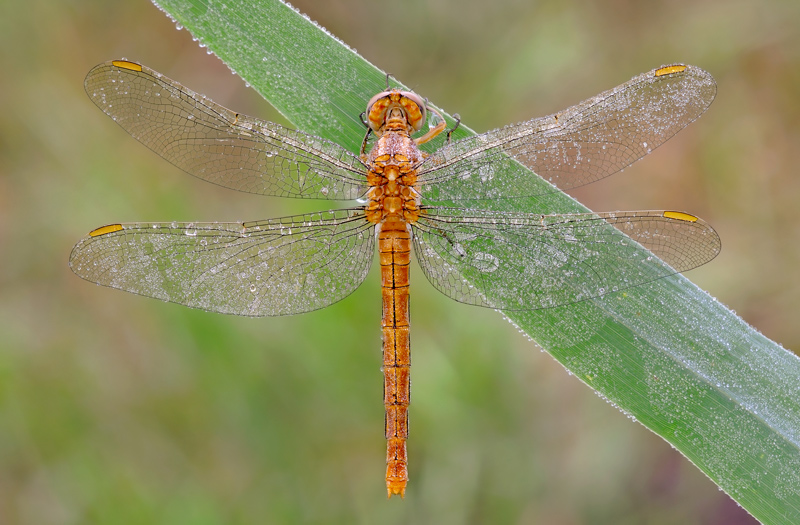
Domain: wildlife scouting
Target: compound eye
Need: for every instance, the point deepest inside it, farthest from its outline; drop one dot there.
(376, 110)
(414, 107)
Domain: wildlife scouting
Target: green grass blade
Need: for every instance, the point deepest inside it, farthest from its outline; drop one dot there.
(667, 354)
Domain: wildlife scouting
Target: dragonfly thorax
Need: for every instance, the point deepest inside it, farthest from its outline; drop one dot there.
(392, 178)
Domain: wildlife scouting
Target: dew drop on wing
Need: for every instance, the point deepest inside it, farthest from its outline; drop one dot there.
(486, 262)
(486, 173)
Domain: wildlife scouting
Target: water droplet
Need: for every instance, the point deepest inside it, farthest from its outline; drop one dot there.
(486, 173)
(486, 262)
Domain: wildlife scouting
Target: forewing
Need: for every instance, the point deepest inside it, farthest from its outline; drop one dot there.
(276, 267)
(219, 145)
(525, 261)
(582, 144)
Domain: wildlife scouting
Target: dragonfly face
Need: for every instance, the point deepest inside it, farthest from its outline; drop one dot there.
(395, 106)
(447, 204)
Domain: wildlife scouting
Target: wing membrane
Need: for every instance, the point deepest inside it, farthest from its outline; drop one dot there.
(580, 145)
(275, 267)
(218, 145)
(520, 261)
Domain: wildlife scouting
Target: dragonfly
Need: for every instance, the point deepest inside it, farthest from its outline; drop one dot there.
(447, 204)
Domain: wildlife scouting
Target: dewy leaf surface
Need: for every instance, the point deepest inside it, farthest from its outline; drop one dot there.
(666, 353)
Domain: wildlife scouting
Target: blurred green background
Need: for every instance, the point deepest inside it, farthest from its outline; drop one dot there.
(120, 409)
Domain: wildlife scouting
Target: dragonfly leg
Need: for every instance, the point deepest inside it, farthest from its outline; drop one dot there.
(364, 142)
(455, 127)
(434, 131)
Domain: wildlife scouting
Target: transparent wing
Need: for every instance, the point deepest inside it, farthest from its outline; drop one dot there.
(582, 144)
(274, 267)
(518, 261)
(218, 145)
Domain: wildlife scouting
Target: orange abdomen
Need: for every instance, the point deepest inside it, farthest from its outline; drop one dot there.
(394, 248)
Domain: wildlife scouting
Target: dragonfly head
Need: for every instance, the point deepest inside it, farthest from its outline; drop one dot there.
(395, 109)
